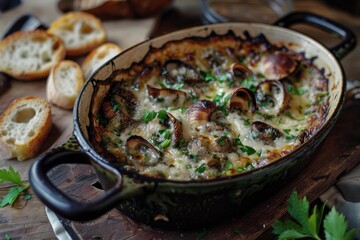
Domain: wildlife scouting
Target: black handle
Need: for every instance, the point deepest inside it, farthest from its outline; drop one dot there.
(57, 200)
(348, 42)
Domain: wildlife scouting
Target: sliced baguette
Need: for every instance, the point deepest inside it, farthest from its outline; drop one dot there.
(30, 55)
(99, 56)
(24, 125)
(64, 84)
(81, 32)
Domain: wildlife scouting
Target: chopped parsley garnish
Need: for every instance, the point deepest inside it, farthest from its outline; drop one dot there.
(118, 142)
(248, 83)
(160, 84)
(228, 165)
(165, 143)
(201, 168)
(162, 116)
(116, 107)
(289, 115)
(221, 142)
(287, 131)
(246, 149)
(207, 76)
(247, 122)
(295, 91)
(181, 109)
(290, 137)
(193, 157)
(149, 116)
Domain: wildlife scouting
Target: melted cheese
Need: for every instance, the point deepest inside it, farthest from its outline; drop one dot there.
(225, 142)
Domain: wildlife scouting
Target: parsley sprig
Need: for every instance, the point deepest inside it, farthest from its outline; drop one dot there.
(14, 177)
(305, 226)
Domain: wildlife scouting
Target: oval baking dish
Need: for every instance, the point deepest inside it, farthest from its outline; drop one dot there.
(159, 201)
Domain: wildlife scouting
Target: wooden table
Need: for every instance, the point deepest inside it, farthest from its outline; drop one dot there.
(27, 220)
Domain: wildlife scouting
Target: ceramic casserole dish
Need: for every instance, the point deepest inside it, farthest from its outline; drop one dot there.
(198, 199)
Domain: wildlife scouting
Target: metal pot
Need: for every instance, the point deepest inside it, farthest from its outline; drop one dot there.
(159, 202)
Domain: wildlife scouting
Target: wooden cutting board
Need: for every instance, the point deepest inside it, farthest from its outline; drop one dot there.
(338, 154)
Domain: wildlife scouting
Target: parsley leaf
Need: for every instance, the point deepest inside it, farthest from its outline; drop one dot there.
(207, 76)
(13, 193)
(335, 226)
(305, 226)
(7, 237)
(201, 168)
(149, 116)
(10, 176)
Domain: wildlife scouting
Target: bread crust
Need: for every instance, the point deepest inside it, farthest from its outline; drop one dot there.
(9, 58)
(93, 58)
(58, 95)
(89, 24)
(32, 145)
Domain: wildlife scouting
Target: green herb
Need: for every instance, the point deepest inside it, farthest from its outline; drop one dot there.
(164, 72)
(289, 115)
(240, 169)
(304, 226)
(149, 116)
(248, 150)
(335, 226)
(226, 100)
(159, 100)
(160, 84)
(290, 137)
(201, 168)
(249, 167)
(218, 99)
(116, 107)
(207, 76)
(221, 142)
(27, 197)
(287, 131)
(247, 122)
(188, 166)
(241, 59)
(228, 165)
(7, 237)
(265, 116)
(118, 142)
(162, 115)
(178, 86)
(238, 142)
(181, 109)
(248, 84)
(295, 91)
(280, 121)
(14, 177)
(165, 143)
(323, 93)
(193, 157)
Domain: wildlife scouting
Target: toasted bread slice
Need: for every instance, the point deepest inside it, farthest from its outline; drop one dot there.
(81, 32)
(30, 55)
(99, 56)
(64, 84)
(24, 125)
